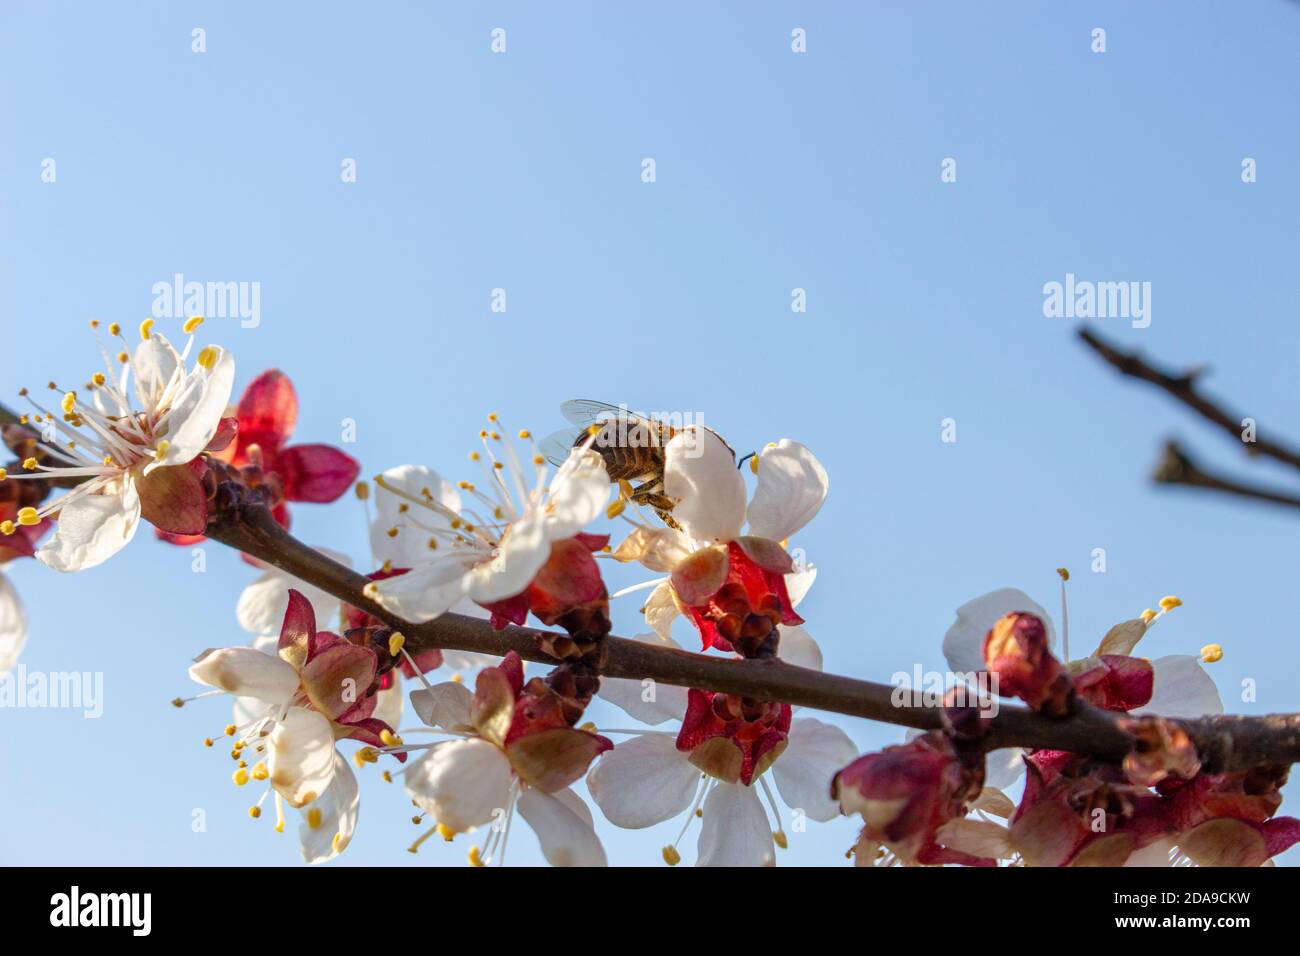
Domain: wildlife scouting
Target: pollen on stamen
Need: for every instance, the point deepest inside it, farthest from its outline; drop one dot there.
(114, 329)
(192, 323)
(1212, 653)
(254, 812)
(395, 643)
(146, 327)
(3, 474)
(7, 528)
(240, 777)
(28, 517)
(363, 491)
(616, 508)
(779, 838)
(29, 464)
(1149, 615)
(208, 357)
(389, 738)
(1169, 602)
(671, 856)
(475, 858)
(98, 379)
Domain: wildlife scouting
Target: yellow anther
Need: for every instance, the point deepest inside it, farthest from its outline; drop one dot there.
(589, 727)
(388, 777)
(313, 817)
(145, 328)
(525, 434)
(403, 508)
(1149, 615)
(433, 546)
(457, 678)
(178, 702)
(363, 491)
(28, 517)
(474, 858)
(539, 460)
(123, 357)
(625, 488)
(1212, 653)
(365, 755)
(474, 456)
(3, 474)
(779, 838)
(593, 429)
(1064, 573)
(208, 357)
(671, 856)
(254, 812)
(7, 528)
(492, 417)
(240, 776)
(260, 771)
(230, 730)
(395, 643)
(699, 813)
(192, 323)
(69, 404)
(463, 486)
(1170, 602)
(98, 378)
(338, 843)
(29, 464)
(497, 466)
(114, 329)
(392, 533)
(616, 508)
(94, 323)
(389, 738)
(482, 433)
(753, 464)
(207, 741)
(446, 832)
(160, 452)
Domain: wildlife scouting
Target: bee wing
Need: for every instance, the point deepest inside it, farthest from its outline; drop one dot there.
(557, 445)
(586, 411)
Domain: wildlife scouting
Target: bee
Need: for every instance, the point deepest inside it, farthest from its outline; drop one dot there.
(631, 446)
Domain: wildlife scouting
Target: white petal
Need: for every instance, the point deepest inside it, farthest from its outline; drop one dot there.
(792, 485)
(339, 807)
(247, 672)
(815, 753)
(262, 604)
(665, 701)
(13, 625)
(798, 583)
(1004, 767)
(248, 710)
(1182, 688)
(963, 645)
(736, 830)
(445, 705)
(798, 647)
(425, 591)
(300, 756)
(92, 528)
(661, 610)
(976, 837)
(579, 493)
(643, 781)
(410, 546)
(563, 826)
(198, 411)
(700, 474)
(390, 702)
(521, 555)
(156, 364)
(462, 783)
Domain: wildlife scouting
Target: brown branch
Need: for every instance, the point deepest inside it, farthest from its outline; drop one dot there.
(1183, 388)
(1177, 468)
(1225, 743)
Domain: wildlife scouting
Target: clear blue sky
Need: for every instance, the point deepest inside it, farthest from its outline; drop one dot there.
(774, 171)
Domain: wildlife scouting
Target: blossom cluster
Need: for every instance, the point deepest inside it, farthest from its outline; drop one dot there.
(320, 686)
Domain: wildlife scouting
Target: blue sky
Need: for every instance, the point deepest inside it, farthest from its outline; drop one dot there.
(774, 171)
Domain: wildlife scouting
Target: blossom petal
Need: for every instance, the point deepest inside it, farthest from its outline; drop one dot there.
(447, 705)
(735, 830)
(425, 591)
(268, 411)
(462, 783)
(816, 752)
(798, 583)
(1003, 767)
(335, 818)
(520, 556)
(196, 414)
(156, 363)
(563, 826)
(798, 647)
(300, 755)
(1182, 688)
(13, 625)
(246, 672)
(963, 645)
(665, 701)
(319, 473)
(643, 781)
(263, 602)
(91, 529)
(700, 475)
(400, 487)
(579, 493)
(792, 484)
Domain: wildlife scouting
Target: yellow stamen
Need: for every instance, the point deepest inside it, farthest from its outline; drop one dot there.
(780, 839)
(671, 856)
(208, 357)
(260, 771)
(389, 738)
(1064, 573)
(69, 404)
(28, 517)
(492, 417)
(363, 491)
(192, 323)
(145, 328)
(230, 730)
(525, 434)
(98, 378)
(364, 756)
(29, 464)
(1170, 602)
(7, 528)
(474, 858)
(1149, 615)
(240, 777)
(457, 678)
(616, 508)
(446, 832)
(625, 488)
(395, 643)
(1212, 653)
(538, 460)
(589, 727)
(388, 777)
(123, 357)
(160, 453)
(3, 474)
(753, 464)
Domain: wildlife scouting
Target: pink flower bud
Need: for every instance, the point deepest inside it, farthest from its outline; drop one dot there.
(1016, 653)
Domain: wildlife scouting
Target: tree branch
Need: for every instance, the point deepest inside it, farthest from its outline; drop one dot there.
(1225, 743)
(1177, 468)
(1183, 388)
